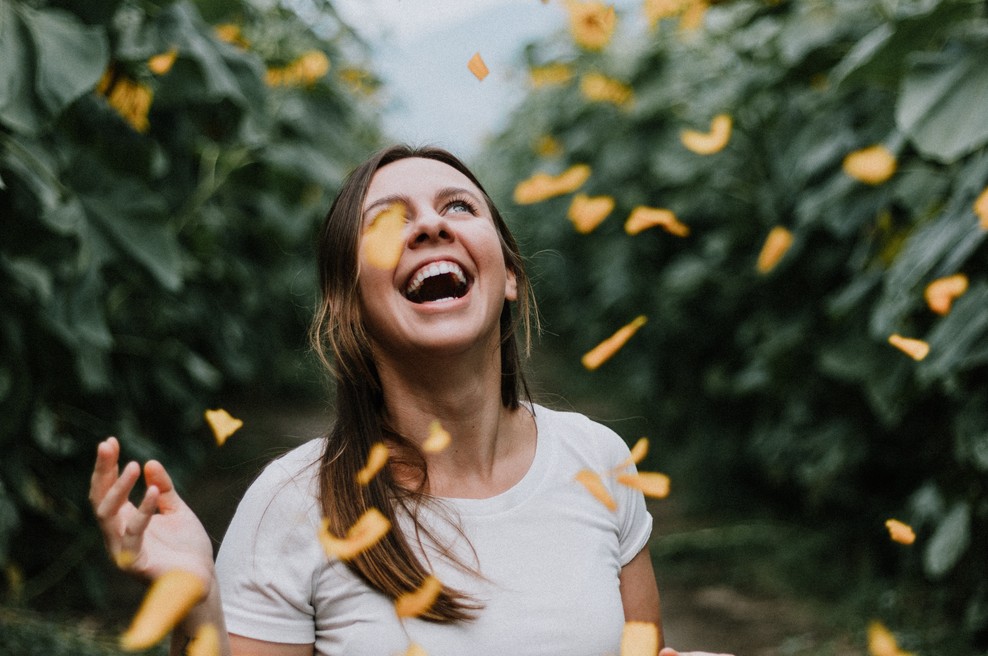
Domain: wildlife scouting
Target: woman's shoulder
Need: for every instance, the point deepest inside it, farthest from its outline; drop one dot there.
(293, 472)
(575, 430)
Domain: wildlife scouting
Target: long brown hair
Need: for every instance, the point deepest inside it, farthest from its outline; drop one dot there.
(340, 338)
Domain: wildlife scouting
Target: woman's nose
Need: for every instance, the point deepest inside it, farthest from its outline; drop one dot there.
(429, 226)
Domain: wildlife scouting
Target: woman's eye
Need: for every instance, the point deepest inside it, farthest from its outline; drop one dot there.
(460, 206)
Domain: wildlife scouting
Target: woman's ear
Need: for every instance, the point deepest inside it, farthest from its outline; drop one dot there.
(511, 286)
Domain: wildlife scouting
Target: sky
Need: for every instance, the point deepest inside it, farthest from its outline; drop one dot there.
(421, 49)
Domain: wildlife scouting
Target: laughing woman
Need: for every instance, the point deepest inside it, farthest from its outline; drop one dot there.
(530, 563)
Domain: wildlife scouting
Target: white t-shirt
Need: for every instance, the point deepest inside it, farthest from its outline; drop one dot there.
(550, 554)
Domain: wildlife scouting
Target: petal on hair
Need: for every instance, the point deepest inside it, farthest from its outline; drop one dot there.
(776, 245)
(942, 292)
(417, 602)
(478, 67)
(591, 480)
(542, 186)
(917, 349)
(438, 439)
(639, 639)
(981, 208)
(643, 218)
(651, 484)
(169, 599)
(222, 424)
(900, 532)
(364, 534)
(587, 212)
(376, 459)
(872, 165)
(713, 141)
(384, 240)
(206, 642)
(603, 352)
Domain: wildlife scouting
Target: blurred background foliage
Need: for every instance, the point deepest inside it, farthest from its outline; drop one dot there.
(778, 390)
(163, 169)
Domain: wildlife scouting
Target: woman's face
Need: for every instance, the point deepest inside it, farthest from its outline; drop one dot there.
(446, 293)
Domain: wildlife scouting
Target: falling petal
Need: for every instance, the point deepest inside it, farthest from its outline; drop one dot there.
(384, 240)
(162, 63)
(124, 558)
(596, 87)
(981, 209)
(169, 599)
(941, 293)
(416, 650)
(543, 186)
(652, 484)
(900, 532)
(601, 353)
(776, 245)
(439, 438)
(917, 349)
(692, 17)
(639, 639)
(881, 642)
(872, 165)
(376, 459)
(591, 480)
(638, 453)
(364, 534)
(708, 143)
(223, 424)
(549, 75)
(643, 218)
(586, 213)
(591, 23)
(417, 602)
(206, 642)
(478, 67)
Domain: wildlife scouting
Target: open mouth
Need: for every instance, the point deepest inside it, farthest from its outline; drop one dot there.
(437, 281)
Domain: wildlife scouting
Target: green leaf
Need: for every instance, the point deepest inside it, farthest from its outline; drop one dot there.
(70, 56)
(18, 106)
(941, 103)
(949, 541)
(955, 340)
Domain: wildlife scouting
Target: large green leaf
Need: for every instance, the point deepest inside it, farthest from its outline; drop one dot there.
(18, 106)
(70, 56)
(949, 541)
(941, 106)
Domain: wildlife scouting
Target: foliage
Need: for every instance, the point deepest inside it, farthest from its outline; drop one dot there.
(783, 384)
(161, 178)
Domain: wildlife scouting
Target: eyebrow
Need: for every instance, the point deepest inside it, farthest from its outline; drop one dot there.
(442, 194)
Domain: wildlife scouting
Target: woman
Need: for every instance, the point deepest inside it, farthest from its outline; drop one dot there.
(530, 562)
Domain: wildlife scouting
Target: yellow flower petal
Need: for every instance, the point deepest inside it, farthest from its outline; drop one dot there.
(656, 10)
(384, 240)
(586, 213)
(417, 602)
(643, 218)
(917, 349)
(550, 74)
(591, 480)
(542, 186)
(591, 23)
(692, 18)
(638, 453)
(376, 459)
(364, 534)
(639, 639)
(597, 87)
(439, 438)
(124, 558)
(223, 424)
(652, 484)
(206, 642)
(881, 642)
(478, 67)
(713, 141)
(872, 165)
(230, 33)
(170, 597)
(942, 292)
(776, 245)
(416, 650)
(981, 209)
(162, 63)
(548, 146)
(601, 353)
(900, 532)
(130, 99)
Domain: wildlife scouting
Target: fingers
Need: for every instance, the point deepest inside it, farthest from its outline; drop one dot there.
(116, 495)
(105, 470)
(155, 475)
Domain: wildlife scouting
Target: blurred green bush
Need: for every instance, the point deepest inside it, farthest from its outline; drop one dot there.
(163, 169)
(781, 387)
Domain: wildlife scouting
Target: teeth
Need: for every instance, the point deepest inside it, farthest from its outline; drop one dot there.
(435, 269)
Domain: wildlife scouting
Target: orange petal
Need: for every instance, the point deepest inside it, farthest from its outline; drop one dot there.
(586, 213)
(708, 143)
(364, 534)
(542, 186)
(600, 88)
(591, 480)
(651, 484)
(477, 66)
(591, 23)
(376, 459)
(548, 146)
(981, 208)
(417, 602)
(941, 293)
(872, 165)
(439, 438)
(206, 642)
(169, 599)
(900, 532)
(416, 650)
(775, 247)
(384, 240)
(881, 642)
(638, 453)
(124, 558)
(550, 74)
(639, 639)
(917, 349)
(601, 353)
(692, 18)
(643, 218)
(162, 63)
(223, 424)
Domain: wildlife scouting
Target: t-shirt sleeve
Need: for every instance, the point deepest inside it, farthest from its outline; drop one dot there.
(634, 520)
(268, 561)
